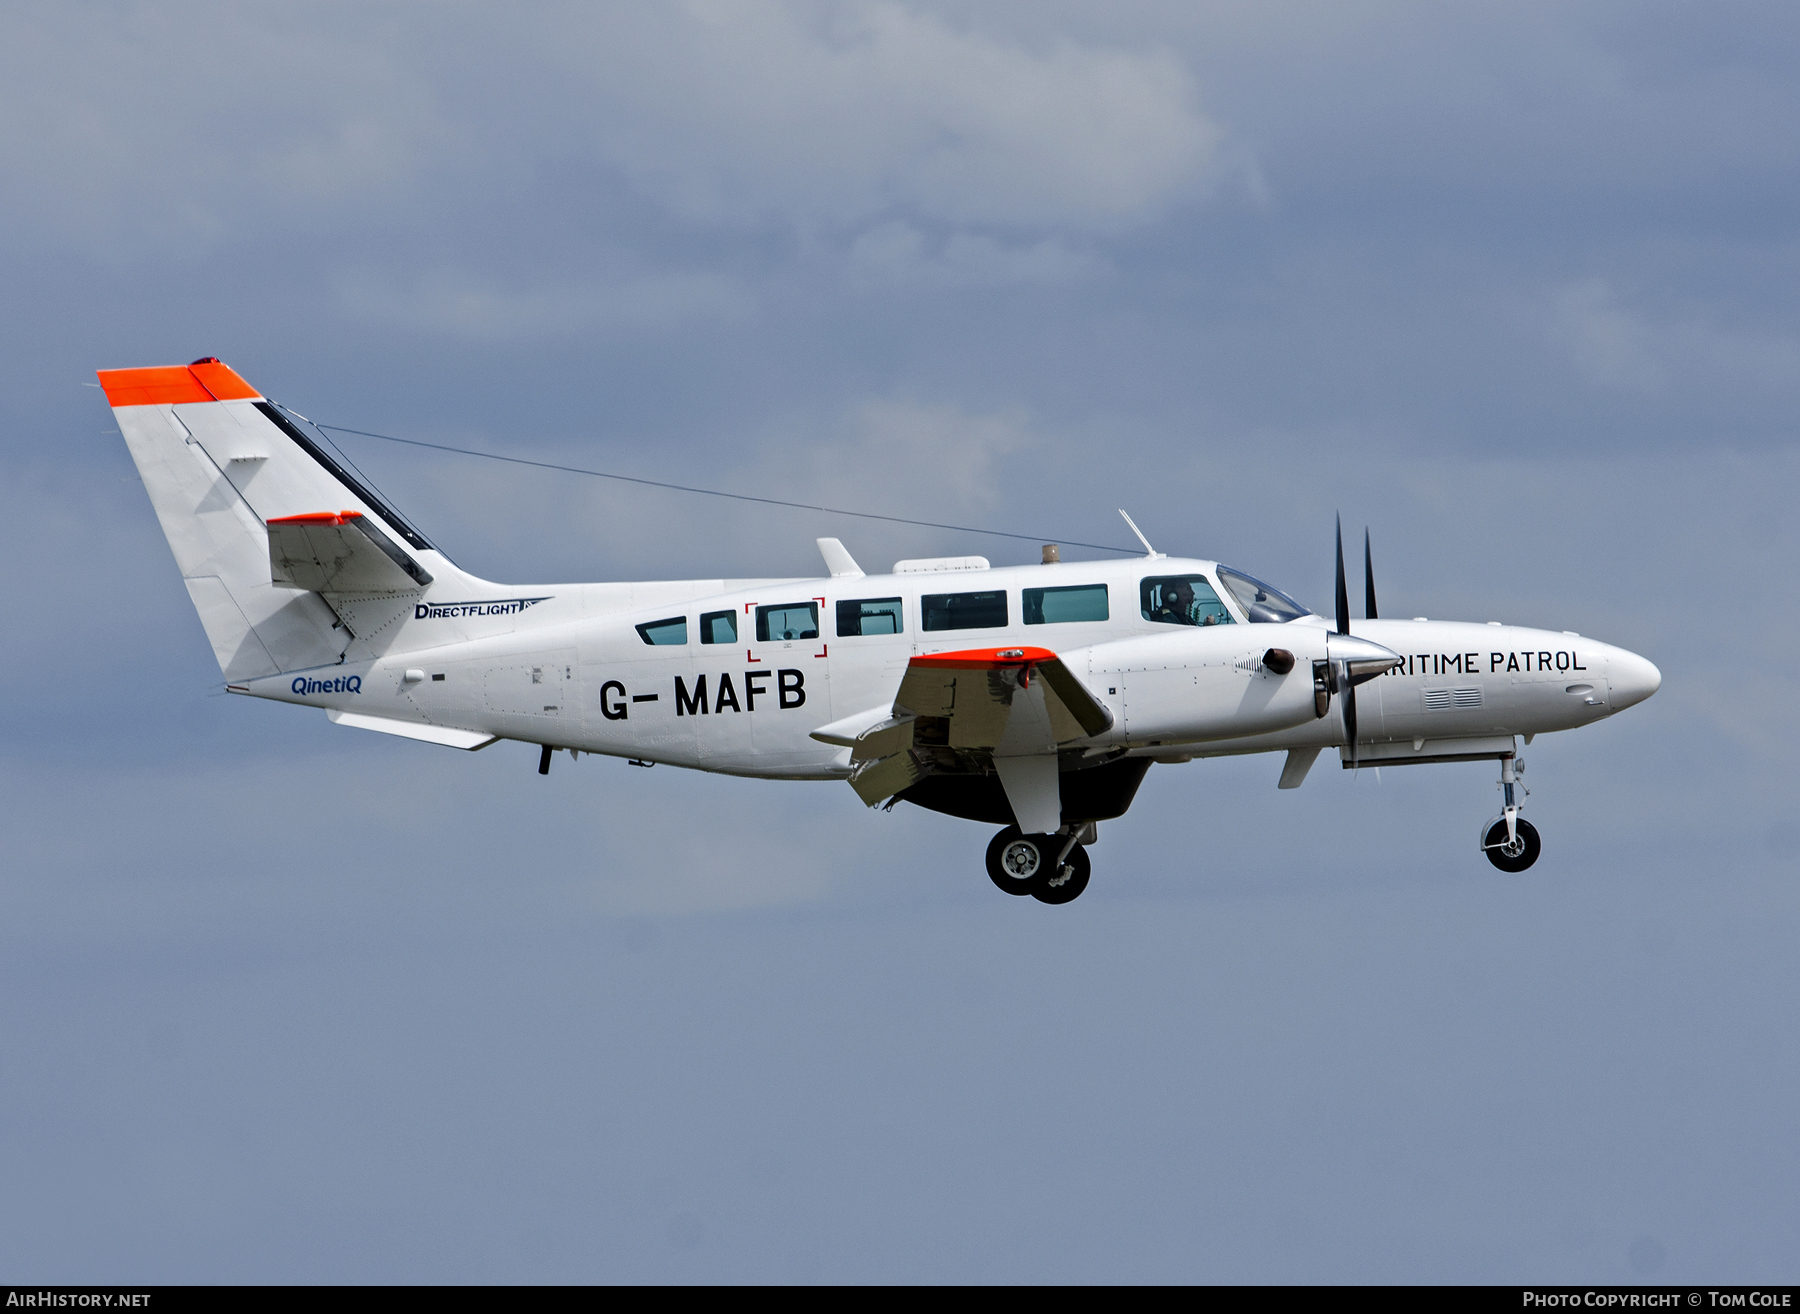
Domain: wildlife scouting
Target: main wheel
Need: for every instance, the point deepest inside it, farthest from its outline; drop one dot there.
(1518, 855)
(1017, 862)
(1066, 885)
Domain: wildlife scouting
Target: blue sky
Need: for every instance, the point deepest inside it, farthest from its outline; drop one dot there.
(1512, 285)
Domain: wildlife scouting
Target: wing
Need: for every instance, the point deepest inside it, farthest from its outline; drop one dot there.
(957, 710)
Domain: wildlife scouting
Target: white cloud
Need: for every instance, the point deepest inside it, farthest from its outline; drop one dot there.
(1608, 345)
(752, 112)
(477, 308)
(889, 456)
(897, 254)
(1626, 350)
(186, 123)
(919, 457)
(415, 138)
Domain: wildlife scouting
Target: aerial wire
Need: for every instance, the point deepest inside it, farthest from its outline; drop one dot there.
(713, 492)
(333, 444)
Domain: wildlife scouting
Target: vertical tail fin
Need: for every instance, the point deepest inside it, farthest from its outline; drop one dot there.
(220, 462)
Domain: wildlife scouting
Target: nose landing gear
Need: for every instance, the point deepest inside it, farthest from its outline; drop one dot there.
(1510, 842)
(1050, 868)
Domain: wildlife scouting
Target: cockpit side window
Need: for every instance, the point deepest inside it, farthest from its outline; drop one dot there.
(1181, 600)
(1262, 603)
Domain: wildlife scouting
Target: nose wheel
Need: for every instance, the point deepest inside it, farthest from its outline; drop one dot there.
(1517, 853)
(1050, 868)
(1511, 842)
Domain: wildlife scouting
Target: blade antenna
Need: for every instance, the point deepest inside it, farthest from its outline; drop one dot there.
(1368, 577)
(1149, 552)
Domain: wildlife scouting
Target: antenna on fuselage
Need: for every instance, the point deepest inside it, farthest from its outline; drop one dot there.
(1149, 551)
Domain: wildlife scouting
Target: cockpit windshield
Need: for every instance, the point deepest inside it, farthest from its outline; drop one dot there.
(1263, 604)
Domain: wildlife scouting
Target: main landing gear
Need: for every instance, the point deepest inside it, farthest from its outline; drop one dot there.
(1511, 842)
(1050, 868)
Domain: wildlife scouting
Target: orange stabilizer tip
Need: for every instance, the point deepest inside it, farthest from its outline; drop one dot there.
(174, 385)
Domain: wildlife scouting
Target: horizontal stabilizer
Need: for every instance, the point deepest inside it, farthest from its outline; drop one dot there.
(339, 552)
(430, 734)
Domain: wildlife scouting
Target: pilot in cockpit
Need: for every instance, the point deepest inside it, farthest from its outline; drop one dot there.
(1178, 606)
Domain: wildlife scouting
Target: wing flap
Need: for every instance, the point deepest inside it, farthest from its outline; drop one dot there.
(876, 780)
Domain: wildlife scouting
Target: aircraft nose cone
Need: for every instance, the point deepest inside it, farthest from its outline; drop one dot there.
(1633, 679)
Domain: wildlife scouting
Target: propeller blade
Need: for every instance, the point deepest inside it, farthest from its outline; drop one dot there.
(1368, 578)
(1343, 593)
(1349, 696)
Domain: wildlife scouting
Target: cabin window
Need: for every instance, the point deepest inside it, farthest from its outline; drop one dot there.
(673, 630)
(964, 611)
(1181, 600)
(1077, 602)
(1261, 603)
(863, 616)
(718, 627)
(790, 620)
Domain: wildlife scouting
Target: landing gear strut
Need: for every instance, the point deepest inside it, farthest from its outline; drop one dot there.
(1050, 868)
(1510, 842)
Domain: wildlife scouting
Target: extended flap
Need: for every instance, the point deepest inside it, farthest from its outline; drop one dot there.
(339, 552)
(874, 781)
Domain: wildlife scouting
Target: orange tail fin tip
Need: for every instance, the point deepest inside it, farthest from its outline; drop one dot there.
(207, 379)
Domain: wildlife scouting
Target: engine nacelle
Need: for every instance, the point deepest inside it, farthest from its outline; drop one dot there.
(1214, 682)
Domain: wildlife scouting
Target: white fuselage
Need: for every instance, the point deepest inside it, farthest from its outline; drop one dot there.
(567, 666)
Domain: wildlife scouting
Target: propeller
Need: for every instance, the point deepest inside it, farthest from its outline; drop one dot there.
(1341, 671)
(1343, 594)
(1368, 578)
(1358, 659)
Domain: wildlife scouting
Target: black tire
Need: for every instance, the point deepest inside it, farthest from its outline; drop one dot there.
(1080, 868)
(1016, 862)
(1528, 847)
